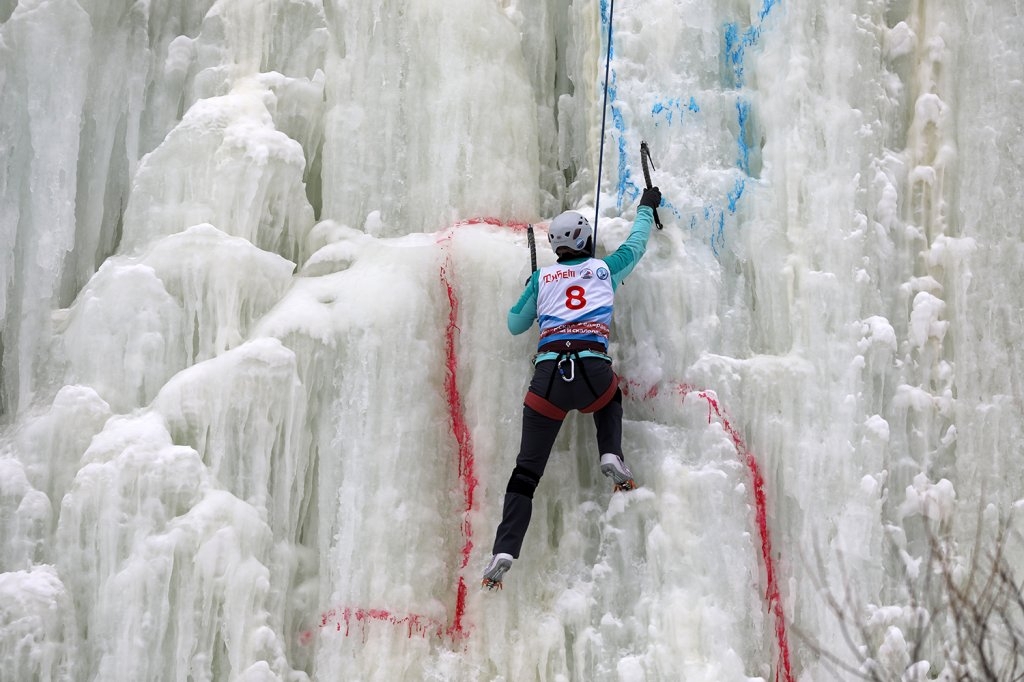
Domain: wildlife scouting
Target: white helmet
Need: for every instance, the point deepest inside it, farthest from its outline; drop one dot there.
(570, 230)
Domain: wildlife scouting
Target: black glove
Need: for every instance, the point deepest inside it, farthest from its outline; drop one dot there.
(651, 197)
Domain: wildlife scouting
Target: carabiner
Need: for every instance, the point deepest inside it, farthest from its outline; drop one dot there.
(572, 368)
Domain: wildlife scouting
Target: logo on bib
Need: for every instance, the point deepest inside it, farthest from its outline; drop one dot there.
(557, 275)
(602, 273)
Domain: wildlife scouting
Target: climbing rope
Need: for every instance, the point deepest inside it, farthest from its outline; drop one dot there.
(604, 116)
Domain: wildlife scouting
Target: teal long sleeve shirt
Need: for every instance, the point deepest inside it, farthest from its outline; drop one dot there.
(620, 263)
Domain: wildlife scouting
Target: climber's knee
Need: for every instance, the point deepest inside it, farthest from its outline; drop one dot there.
(522, 481)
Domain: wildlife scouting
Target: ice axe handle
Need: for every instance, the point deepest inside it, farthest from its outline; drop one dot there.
(645, 158)
(533, 249)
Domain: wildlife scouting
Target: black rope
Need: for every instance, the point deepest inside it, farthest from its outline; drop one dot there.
(604, 115)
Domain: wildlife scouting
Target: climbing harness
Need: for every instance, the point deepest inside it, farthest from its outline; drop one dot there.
(544, 406)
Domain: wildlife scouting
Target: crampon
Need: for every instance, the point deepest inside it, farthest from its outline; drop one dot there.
(495, 571)
(624, 487)
(614, 468)
(490, 585)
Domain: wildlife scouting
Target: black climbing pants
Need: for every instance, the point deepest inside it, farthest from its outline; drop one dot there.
(591, 379)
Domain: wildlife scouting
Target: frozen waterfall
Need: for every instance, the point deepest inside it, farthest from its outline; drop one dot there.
(258, 402)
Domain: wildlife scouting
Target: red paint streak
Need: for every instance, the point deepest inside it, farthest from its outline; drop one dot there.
(456, 416)
(772, 594)
(630, 387)
(488, 220)
(466, 457)
(415, 624)
(457, 630)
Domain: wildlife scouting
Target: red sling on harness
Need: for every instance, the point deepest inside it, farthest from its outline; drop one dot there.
(551, 411)
(604, 398)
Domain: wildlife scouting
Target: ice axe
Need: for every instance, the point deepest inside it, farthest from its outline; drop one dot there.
(645, 158)
(533, 250)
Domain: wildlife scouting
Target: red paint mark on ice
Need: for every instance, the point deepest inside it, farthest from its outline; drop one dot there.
(633, 389)
(343, 619)
(488, 220)
(466, 458)
(773, 596)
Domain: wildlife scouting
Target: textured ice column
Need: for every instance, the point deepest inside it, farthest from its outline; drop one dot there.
(280, 43)
(189, 297)
(123, 336)
(202, 50)
(580, 49)
(25, 518)
(299, 114)
(242, 37)
(51, 444)
(986, 296)
(545, 31)
(257, 448)
(226, 165)
(818, 266)
(285, 42)
(984, 289)
(224, 284)
(82, 83)
(170, 67)
(117, 74)
(39, 141)
(38, 640)
(38, 636)
(170, 576)
(431, 116)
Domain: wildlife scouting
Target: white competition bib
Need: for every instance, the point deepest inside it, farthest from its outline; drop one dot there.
(574, 302)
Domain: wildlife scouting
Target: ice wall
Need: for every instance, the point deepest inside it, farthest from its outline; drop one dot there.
(258, 400)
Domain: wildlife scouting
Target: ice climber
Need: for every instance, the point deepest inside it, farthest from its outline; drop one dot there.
(572, 300)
